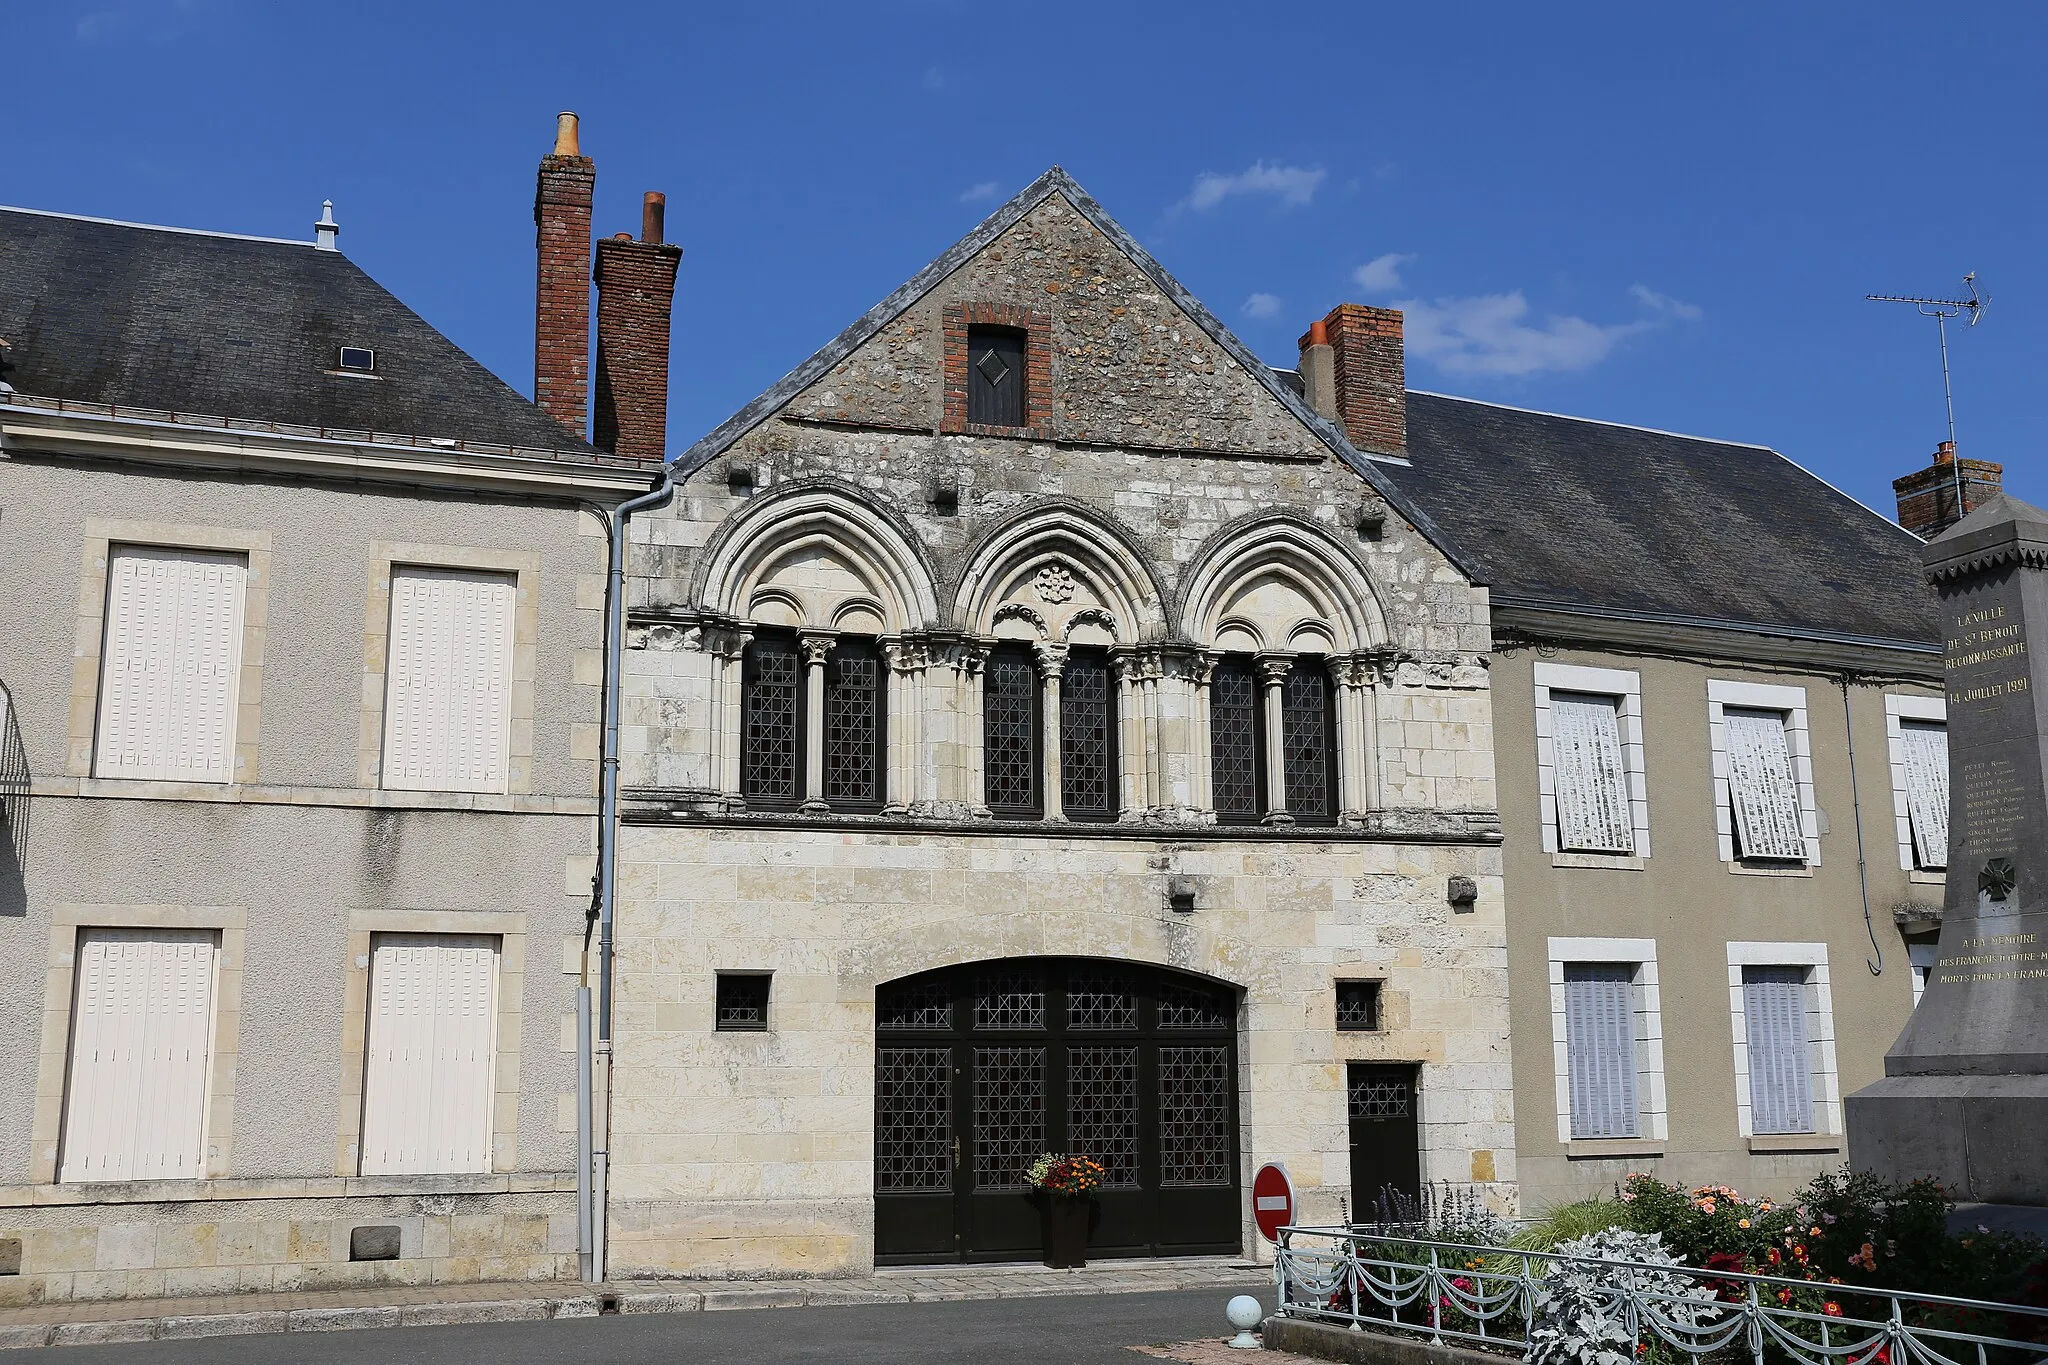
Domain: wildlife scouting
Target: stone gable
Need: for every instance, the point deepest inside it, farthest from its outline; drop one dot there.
(1129, 367)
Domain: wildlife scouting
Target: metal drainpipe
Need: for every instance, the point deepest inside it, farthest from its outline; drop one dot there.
(594, 1133)
(1856, 804)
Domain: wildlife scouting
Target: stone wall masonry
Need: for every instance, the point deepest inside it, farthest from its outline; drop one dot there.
(256, 1237)
(737, 1154)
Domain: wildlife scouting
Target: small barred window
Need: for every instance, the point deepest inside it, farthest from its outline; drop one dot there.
(742, 1002)
(1358, 1006)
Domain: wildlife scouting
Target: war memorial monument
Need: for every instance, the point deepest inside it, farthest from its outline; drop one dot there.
(1965, 1092)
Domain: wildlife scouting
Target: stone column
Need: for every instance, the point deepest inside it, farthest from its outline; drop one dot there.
(814, 646)
(1130, 738)
(905, 722)
(1151, 734)
(1052, 661)
(1201, 775)
(1273, 671)
(1357, 737)
(729, 708)
(970, 670)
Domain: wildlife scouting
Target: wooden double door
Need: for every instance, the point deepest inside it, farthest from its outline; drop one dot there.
(980, 1069)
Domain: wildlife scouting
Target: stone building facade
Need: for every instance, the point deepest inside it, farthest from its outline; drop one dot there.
(1184, 724)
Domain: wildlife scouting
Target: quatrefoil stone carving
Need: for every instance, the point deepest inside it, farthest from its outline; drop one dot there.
(1054, 584)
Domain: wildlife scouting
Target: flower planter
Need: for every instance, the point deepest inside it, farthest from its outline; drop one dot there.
(1064, 1219)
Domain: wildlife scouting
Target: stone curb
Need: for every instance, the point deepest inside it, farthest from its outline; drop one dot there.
(538, 1308)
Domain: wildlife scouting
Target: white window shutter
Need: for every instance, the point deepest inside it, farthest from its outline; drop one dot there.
(1761, 786)
(427, 1089)
(1600, 1048)
(1926, 752)
(171, 659)
(1780, 1072)
(1592, 778)
(448, 685)
(141, 1041)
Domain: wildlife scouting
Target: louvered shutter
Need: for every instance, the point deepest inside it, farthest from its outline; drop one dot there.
(1600, 1048)
(1592, 780)
(1780, 1074)
(171, 662)
(448, 686)
(141, 1035)
(1926, 752)
(1761, 786)
(433, 1024)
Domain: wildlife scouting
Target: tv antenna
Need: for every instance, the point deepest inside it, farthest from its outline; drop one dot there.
(1941, 310)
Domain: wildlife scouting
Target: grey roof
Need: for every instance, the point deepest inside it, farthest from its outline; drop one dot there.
(1057, 181)
(242, 328)
(1615, 520)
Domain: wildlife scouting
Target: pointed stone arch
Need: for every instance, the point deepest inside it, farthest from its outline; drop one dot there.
(1060, 572)
(1280, 582)
(816, 554)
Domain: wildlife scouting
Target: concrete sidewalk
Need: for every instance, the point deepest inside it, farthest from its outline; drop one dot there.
(117, 1320)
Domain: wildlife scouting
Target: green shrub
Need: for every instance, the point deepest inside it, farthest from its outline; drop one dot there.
(1568, 1222)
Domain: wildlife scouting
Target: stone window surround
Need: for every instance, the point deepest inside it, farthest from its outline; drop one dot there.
(509, 928)
(524, 565)
(1625, 685)
(1641, 953)
(1037, 329)
(101, 535)
(1723, 693)
(1896, 709)
(1820, 1033)
(54, 1058)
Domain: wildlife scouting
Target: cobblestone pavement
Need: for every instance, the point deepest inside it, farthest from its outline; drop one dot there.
(1089, 1328)
(139, 1320)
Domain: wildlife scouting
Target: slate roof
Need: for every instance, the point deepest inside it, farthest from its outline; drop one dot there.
(242, 328)
(1617, 520)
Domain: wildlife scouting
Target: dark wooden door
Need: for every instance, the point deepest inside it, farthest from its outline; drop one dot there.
(1386, 1138)
(980, 1069)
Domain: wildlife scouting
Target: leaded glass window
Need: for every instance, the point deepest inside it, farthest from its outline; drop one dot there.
(1088, 776)
(1308, 734)
(854, 692)
(1234, 732)
(771, 684)
(1009, 709)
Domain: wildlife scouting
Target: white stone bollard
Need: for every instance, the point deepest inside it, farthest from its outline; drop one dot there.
(1244, 1313)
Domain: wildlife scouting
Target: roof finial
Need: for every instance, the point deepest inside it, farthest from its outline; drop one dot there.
(326, 230)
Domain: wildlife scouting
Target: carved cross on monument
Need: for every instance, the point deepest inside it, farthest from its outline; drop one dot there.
(1965, 1093)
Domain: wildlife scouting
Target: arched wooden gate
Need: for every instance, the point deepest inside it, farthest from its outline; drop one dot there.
(980, 1068)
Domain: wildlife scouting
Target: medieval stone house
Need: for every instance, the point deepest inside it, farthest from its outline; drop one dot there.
(1044, 731)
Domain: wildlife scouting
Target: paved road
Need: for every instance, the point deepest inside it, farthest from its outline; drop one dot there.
(1091, 1330)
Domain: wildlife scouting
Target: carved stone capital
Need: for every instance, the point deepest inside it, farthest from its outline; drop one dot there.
(815, 646)
(1051, 658)
(1273, 668)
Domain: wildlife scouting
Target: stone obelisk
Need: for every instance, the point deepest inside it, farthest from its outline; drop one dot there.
(1965, 1093)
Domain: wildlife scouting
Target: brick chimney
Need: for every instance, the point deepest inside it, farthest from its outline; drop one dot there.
(561, 331)
(1927, 498)
(636, 284)
(1367, 365)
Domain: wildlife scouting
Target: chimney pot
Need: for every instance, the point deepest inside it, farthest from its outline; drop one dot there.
(326, 231)
(1945, 453)
(1319, 333)
(566, 141)
(653, 213)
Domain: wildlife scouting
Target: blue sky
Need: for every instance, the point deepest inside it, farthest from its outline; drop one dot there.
(1659, 215)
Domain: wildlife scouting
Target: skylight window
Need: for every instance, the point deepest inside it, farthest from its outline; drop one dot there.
(358, 360)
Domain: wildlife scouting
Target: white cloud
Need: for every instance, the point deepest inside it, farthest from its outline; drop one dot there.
(1664, 303)
(1492, 334)
(1382, 273)
(976, 194)
(1262, 306)
(1293, 186)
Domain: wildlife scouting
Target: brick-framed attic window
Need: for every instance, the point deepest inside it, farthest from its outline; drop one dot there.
(1037, 329)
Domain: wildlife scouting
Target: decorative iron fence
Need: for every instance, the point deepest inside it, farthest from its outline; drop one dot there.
(1495, 1297)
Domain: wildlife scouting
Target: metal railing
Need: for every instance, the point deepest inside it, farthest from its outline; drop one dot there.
(1494, 1296)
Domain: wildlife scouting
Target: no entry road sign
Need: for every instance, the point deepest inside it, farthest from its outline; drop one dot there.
(1272, 1200)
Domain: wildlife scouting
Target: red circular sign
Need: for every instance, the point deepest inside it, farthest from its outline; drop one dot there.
(1272, 1200)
